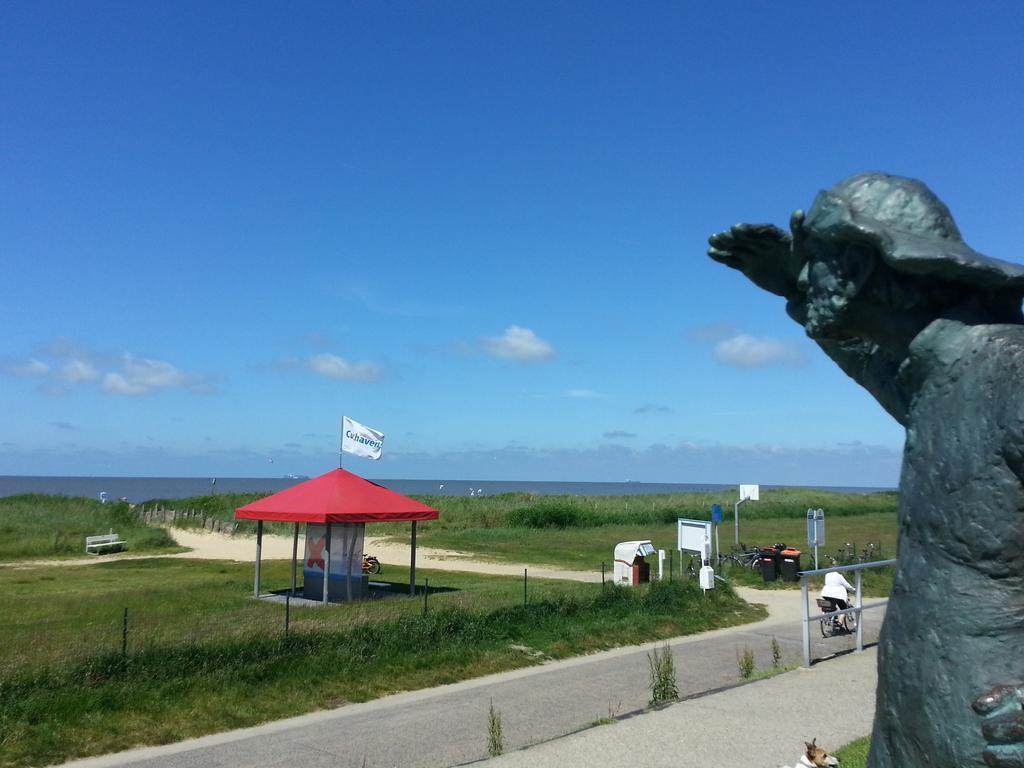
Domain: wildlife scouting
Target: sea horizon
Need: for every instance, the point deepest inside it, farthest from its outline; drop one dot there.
(138, 489)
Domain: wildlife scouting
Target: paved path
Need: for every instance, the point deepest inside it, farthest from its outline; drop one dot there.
(762, 724)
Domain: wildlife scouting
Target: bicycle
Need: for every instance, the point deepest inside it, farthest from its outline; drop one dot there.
(371, 564)
(744, 558)
(844, 624)
(868, 553)
(690, 570)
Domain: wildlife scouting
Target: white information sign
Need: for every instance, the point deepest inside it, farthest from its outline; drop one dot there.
(695, 536)
(816, 527)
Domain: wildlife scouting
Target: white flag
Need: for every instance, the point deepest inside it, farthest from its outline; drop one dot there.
(360, 440)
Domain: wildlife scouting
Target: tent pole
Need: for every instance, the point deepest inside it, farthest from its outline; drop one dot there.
(295, 553)
(259, 547)
(412, 562)
(327, 561)
(351, 555)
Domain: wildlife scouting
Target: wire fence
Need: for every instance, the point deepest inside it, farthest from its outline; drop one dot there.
(134, 624)
(61, 633)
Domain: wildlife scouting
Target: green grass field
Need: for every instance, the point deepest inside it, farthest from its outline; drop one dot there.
(579, 532)
(202, 655)
(119, 653)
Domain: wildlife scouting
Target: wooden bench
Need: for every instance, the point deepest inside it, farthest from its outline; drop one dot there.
(108, 542)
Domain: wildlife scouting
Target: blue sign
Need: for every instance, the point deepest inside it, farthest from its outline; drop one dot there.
(716, 513)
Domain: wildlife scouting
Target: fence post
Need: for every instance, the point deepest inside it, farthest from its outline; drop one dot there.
(602, 574)
(670, 566)
(524, 587)
(806, 620)
(858, 602)
(124, 634)
(426, 591)
(287, 611)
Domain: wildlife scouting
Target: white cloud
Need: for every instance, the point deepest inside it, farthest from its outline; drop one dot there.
(31, 367)
(69, 365)
(518, 343)
(745, 351)
(334, 367)
(581, 394)
(140, 376)
(652, 408)
(709, 334)
(77, 371)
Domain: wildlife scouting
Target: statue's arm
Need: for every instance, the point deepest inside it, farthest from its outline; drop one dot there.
(762, 252)
(772, 259)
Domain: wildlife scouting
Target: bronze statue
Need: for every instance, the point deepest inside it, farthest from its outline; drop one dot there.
(879, 276)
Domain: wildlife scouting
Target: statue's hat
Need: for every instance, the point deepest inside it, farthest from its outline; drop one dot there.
(911, 229)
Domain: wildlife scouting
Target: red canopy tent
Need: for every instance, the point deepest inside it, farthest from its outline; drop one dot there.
(335, 497)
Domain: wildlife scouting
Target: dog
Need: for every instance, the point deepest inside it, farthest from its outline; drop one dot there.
(815, 757)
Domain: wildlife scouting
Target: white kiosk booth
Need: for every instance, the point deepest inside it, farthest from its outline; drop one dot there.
(630, 567)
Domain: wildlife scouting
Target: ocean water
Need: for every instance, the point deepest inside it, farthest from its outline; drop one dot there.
(138, 489)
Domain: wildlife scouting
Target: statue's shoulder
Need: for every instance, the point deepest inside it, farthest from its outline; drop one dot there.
(945, 346)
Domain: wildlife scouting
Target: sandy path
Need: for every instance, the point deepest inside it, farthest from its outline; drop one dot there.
(205, 545)
(216, 546)
(782, 605)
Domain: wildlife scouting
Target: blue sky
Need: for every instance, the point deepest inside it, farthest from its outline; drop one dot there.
(478, 227)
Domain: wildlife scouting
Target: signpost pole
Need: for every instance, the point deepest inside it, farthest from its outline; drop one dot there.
(716, 518)
(747, 493)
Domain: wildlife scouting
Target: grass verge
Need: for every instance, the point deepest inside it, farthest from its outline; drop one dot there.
(168, 687)
(855, 754)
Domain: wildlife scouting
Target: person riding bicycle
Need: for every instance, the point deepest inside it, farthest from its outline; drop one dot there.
(835, 590)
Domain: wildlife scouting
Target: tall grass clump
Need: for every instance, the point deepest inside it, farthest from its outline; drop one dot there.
(495, 737)
(219, 506)
(35, 526)
(745, 662)
(663, 676)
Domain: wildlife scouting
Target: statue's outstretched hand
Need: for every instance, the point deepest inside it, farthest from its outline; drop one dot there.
(1003, 726)
(762, 252)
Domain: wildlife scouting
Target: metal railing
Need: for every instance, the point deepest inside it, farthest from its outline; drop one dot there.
(858, 603)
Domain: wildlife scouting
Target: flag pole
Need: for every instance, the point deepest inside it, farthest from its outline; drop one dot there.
(341, 445)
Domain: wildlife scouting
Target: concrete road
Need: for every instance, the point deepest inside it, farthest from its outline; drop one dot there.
(448, 725)
(761, 725)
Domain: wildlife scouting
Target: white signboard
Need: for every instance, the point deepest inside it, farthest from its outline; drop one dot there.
(750, 492)
(695, 536)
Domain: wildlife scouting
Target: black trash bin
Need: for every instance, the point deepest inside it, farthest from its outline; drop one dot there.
(789, 564)
(769, 564)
